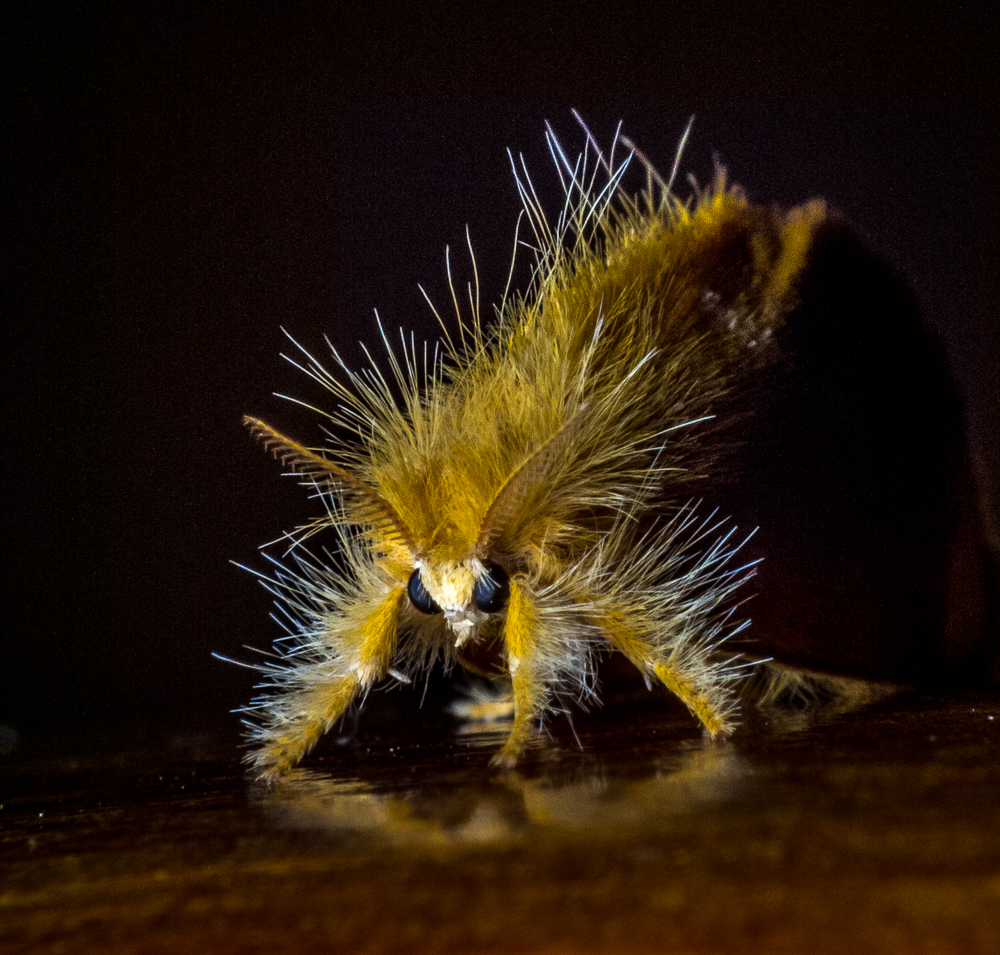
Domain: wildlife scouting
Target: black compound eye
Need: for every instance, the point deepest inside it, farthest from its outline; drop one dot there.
(419, 596)
(492, 590)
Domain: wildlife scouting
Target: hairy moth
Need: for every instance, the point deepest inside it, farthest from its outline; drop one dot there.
(527, 494)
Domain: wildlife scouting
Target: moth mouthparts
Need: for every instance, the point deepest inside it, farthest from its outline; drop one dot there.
(462, 626)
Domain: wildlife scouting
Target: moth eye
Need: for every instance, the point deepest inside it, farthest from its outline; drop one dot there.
(492, 590)
(419, 596)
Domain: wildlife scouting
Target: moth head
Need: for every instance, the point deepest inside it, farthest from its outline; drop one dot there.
(467, 592)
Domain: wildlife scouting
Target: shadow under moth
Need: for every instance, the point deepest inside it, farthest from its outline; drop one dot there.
(568, 478)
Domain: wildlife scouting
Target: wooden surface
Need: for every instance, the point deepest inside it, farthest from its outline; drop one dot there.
(875, 830)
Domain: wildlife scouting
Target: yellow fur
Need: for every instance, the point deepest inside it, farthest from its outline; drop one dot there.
(553, 454)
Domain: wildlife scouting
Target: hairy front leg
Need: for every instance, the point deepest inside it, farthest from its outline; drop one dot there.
(530, 690)
(310, 713)
(312, 697)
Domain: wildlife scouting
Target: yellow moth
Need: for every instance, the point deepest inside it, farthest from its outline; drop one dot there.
(525, 495)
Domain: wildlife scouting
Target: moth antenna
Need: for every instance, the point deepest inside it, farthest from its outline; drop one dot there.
(513, 491)
(368, 507)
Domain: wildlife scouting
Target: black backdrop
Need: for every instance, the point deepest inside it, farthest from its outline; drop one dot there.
(187, 181)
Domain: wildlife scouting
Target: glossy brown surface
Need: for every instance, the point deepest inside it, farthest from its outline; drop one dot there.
(876, 830)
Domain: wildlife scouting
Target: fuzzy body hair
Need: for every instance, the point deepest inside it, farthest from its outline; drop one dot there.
(555, 455)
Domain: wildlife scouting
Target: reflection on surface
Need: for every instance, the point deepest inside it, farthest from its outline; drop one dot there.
(634, 768)
(480, 805)
(866, 826)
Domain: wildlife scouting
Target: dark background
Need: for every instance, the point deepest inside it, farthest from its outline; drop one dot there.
(186, 181)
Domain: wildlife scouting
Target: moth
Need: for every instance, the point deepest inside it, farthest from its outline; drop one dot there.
(541, 488)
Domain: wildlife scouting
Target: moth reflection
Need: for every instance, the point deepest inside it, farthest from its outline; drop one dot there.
(595, 795)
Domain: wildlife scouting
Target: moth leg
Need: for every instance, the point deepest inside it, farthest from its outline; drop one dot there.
(298, 718)
(713, 717)
(687, 673)
(529, 685)
(286, 741)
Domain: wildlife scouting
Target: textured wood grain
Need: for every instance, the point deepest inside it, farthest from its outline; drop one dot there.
(867, 831)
